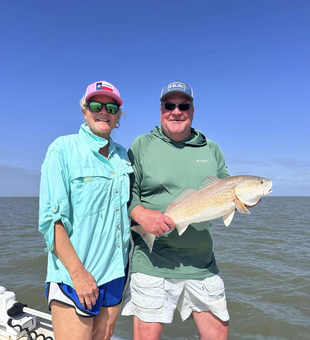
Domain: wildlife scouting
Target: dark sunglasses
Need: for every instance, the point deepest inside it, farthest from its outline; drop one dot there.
(181, 107)
(97, 107)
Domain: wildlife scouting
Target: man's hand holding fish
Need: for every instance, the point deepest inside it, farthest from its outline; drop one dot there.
(152, 221)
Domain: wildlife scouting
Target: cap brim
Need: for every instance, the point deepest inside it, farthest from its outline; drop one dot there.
(173, 92)
(105, 93)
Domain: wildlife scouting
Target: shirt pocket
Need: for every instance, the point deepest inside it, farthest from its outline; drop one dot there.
(124, 179)
(90, 190)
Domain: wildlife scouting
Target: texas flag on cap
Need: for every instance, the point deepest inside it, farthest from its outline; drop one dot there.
(103, 88)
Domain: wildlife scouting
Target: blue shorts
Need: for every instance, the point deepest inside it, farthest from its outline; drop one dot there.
(110, 294)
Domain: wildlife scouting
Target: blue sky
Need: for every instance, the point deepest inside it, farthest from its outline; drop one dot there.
(248, 62)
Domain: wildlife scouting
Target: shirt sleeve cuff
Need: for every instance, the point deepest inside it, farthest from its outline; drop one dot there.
(58, 212)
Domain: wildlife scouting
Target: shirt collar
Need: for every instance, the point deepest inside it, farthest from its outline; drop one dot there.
(95, 142)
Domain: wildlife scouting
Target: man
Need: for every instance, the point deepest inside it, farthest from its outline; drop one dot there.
(181, 271)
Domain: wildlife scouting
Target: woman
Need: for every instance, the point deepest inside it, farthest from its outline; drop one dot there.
(83, 215)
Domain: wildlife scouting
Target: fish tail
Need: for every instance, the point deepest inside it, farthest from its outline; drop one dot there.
(148, 238)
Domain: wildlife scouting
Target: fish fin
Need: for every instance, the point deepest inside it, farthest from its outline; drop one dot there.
(208, 181)
(184, 194)
(181, 228)
(228, 217)
(241, 207)
(148, 238)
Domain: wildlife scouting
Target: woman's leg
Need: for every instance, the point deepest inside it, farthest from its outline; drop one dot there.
(104, 323)
(67, 325)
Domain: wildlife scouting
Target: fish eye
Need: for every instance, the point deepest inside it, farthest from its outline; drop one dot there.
(261, 182)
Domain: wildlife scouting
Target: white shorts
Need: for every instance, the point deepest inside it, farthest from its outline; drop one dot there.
(154, 299)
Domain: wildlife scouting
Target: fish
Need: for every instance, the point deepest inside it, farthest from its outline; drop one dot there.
(215, 198)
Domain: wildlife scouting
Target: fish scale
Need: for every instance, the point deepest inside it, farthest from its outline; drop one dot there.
(197, 209)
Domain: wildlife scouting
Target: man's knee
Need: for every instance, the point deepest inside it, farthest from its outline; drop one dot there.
(223, 331)
(210, 326)
(147, 330)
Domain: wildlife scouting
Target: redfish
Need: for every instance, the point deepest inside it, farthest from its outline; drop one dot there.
(215, 198)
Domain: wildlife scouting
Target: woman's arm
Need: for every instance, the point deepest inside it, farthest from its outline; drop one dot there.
(83, 282)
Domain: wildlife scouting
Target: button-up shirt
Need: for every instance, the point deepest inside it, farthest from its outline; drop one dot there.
(88, 194)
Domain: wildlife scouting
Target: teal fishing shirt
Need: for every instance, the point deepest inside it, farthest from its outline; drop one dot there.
(88, 194)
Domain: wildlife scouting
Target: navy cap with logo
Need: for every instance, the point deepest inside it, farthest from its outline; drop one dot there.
(176, 87)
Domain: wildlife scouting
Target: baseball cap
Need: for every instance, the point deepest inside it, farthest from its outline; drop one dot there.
(105, 88)
(176, 87)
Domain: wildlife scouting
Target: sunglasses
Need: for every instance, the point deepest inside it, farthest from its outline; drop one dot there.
(97, 107)
(181, 107)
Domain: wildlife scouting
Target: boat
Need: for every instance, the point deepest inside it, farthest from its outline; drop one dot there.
(18, 322)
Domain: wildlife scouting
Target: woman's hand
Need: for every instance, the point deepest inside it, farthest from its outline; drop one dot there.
(86, 288)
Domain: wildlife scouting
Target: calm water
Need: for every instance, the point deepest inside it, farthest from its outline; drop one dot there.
(264, 260)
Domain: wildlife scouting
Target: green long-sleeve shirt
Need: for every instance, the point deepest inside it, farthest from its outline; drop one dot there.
(163, 168)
